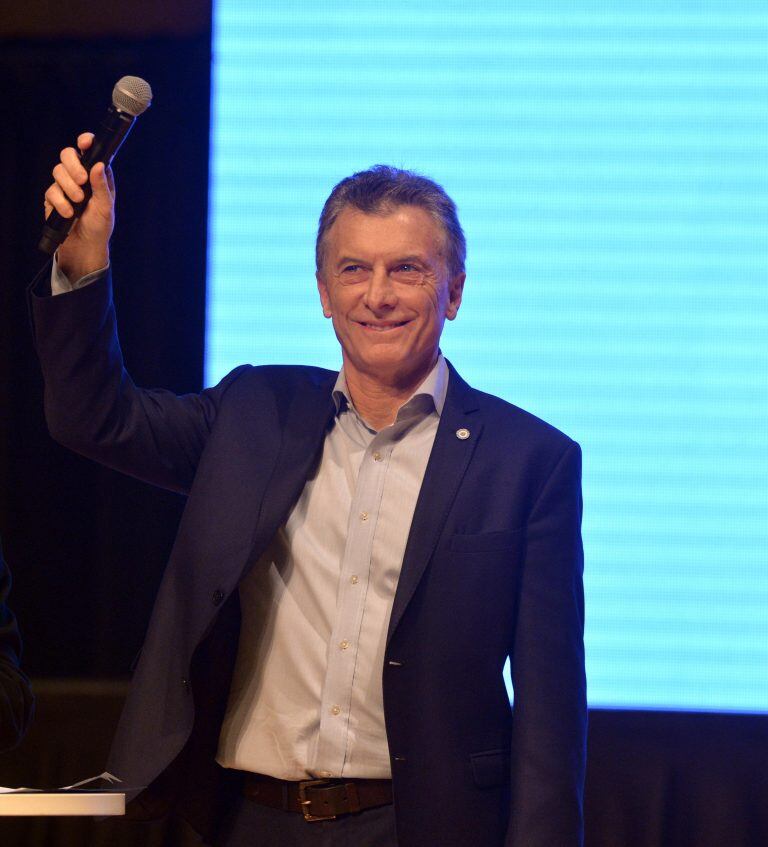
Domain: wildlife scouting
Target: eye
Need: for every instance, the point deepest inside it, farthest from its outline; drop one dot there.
(408, 273)
(351, 273)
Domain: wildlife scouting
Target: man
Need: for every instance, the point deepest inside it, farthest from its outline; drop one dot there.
(378, 541)
(16, 701)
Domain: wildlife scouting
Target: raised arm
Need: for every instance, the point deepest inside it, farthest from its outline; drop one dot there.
(91, 403)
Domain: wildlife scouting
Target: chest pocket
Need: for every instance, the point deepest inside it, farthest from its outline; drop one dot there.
(487, 542)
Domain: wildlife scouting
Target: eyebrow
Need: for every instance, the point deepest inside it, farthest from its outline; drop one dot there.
(349, 259)
(411, 257)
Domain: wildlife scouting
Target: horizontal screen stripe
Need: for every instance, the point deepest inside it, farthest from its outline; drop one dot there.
(609, 164)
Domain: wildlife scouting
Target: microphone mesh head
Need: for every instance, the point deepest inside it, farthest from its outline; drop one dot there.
(131, 94)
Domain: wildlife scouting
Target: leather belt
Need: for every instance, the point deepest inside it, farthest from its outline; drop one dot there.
(318, 799)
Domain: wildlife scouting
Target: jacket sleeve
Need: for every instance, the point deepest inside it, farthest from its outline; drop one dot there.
(548, 675)
(93, 407)
(16, 701)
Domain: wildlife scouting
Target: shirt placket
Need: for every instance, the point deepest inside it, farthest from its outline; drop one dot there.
(354, 580)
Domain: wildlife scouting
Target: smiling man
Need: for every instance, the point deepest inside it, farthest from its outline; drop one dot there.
(360, 554)
(388, 282)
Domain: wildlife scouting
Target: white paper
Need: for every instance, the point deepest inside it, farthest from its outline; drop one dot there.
(107, 777)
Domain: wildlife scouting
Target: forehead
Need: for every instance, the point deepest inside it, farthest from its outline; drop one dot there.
(404, 230)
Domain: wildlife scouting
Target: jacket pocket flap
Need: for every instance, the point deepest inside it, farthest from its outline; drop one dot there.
(486, 541)
(490, 767)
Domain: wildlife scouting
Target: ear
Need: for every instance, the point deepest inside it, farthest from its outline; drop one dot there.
(325, 299)
(455, 291)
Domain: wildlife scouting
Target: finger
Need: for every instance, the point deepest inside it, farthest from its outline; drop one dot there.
(56, 198)
(67, 184)
(84, 140)
(70, 159)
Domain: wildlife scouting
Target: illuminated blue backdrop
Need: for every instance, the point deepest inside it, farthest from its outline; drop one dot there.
(610, 164)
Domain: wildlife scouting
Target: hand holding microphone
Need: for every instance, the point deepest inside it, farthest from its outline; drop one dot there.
(79, 205)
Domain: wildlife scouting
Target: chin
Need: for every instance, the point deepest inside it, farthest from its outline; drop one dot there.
(396, 368)
(383, 364)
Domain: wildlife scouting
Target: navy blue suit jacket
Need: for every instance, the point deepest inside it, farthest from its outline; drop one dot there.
(492, 568)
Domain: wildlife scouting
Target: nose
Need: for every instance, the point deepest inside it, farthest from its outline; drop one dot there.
(380, 294)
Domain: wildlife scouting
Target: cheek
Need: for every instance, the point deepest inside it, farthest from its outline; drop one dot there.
(339, 302)
(436, 305)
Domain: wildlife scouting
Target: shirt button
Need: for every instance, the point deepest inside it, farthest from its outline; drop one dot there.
(354, 579)
(335, 710)
(363, 516)
(377, 457)
(344, 644)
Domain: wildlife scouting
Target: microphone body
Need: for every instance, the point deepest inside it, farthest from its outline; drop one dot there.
(107, 140)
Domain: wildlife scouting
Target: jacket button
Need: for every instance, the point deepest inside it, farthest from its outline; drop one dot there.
(218, 596)
(394, 664)
(399, 758)
(185, 683)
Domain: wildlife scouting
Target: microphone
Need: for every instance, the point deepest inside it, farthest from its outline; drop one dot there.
(130, 97)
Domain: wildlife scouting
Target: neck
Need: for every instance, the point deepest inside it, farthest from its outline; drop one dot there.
(377, 400)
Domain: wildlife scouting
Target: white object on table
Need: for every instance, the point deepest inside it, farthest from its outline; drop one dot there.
(67, 803)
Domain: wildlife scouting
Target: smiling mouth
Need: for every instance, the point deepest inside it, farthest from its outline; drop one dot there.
(382, 327)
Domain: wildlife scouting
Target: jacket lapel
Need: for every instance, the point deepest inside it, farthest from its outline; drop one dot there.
(448, 461)
(307, 419)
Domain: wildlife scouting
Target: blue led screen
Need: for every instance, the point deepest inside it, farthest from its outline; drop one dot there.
(609, 161)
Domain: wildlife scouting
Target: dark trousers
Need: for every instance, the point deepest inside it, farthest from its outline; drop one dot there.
(252, 825)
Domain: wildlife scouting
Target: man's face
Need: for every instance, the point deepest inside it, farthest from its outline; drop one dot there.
(385, 284)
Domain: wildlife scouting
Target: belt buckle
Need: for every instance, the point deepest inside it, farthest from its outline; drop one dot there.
(306, 804)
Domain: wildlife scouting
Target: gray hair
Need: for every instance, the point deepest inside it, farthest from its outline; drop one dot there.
(382, 188)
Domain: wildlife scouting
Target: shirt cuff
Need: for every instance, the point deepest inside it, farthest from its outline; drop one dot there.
(61, 284)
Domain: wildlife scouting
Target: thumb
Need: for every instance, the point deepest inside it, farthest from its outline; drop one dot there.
(99, 184)
(110, 181)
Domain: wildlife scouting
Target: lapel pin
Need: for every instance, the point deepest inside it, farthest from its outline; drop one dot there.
(462, 433)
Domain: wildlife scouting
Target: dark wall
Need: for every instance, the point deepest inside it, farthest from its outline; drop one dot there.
(87, 546)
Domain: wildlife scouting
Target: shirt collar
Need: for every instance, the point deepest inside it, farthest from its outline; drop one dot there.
(434, 387)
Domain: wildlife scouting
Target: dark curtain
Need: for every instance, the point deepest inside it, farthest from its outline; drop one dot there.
(86, 546)
(676, 779)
